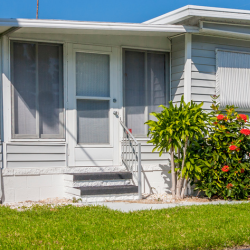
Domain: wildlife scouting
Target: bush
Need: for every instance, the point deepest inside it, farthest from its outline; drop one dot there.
(223, 157)
(174, 128)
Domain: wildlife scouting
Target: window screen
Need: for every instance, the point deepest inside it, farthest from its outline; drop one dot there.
(92, 92)
(37, 90)
(93, 121)
(233, 78)
(146, 74)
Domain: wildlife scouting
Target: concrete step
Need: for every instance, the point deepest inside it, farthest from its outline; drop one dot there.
(102, 198)
(98, 176)
(100, 190)
(96, 183)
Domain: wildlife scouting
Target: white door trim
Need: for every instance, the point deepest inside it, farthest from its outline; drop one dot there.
(71, 101)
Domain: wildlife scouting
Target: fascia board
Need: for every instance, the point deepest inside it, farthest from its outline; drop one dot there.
(202, 11)
(170, 17)
(95, 25)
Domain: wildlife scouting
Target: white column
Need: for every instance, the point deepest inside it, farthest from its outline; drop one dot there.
(6, 89)
(71, 134)
(187, 68)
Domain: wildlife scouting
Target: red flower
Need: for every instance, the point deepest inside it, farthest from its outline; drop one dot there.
(220, 117)
(225, 168)
(225, 119)
(245, 131)
(242, 117)
(233, 147)
(229, 185)
(215, 123)
(242, 170)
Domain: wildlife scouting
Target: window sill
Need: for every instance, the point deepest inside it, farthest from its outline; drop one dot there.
(37, 140)
(93, 146)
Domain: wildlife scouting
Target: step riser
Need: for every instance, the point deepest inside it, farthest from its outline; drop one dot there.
(102, 198)
(103, 183)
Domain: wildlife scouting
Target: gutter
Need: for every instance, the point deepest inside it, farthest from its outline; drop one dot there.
(33, 23)
(224, 33)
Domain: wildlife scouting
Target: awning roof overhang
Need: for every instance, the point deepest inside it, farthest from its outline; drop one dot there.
(80, 27)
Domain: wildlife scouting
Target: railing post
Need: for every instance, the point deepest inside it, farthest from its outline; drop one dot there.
(139, 172)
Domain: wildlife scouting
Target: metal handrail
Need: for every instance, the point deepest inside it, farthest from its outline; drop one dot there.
(131, 155)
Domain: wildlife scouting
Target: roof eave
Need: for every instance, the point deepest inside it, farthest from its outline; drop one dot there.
(188, 11)
(57, 24)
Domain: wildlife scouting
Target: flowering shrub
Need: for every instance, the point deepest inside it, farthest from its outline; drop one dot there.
(223, 157)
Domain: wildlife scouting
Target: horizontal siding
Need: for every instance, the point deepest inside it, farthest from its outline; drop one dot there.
(35, 155)
(178, 53)
(177, 67)
(177, 76)
(204, 68)
(37, 149)
(177, 91)
(204, 64)
(177, 61)
(149, 157)
(35, 164)
(178, 83)
(203, 83)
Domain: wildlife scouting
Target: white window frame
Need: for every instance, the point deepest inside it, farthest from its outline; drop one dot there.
(167, 53)
(44, 137)
(217, 80)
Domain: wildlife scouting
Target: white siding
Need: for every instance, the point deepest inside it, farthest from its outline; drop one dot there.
(204, 65)
(152, 158)
(177, 68)
(35, 155)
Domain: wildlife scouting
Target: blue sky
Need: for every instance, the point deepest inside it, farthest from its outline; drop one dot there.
(104, 10)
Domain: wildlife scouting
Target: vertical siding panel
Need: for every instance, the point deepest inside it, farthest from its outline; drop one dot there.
(177, 67)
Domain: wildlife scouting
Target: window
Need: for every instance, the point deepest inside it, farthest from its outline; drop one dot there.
(93, 98)
(146, 86)
(233, 78)
(37, 90)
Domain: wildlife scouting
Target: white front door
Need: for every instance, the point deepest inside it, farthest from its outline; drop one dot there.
(93, 138)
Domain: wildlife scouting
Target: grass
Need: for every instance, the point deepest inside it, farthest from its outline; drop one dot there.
(190, 227)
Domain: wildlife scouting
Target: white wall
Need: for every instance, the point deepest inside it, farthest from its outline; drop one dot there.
(32, 187)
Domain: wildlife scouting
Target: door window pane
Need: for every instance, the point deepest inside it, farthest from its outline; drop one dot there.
(93, 121)
(92, 74)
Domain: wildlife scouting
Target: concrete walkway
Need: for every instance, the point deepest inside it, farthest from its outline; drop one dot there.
(127, 206)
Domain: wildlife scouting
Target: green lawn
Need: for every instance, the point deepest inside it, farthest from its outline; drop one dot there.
(191, 227)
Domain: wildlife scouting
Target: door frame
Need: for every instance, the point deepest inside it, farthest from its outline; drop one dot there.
(71, 109)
